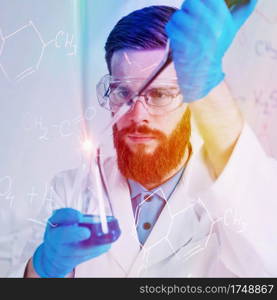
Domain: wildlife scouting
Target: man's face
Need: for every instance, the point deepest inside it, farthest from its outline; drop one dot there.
(143, 138)
(140, 64)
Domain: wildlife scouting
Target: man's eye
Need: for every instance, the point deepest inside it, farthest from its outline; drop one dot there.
(157, 93)
(122, 93)
(162, 93)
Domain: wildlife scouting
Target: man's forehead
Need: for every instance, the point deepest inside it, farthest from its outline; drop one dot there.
(139, 64)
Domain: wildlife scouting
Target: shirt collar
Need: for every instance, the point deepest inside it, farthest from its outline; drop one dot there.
(164, 190)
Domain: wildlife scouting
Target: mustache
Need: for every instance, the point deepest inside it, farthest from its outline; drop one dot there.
(143, 129)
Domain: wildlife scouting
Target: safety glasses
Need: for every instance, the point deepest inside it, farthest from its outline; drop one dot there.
(160, 97)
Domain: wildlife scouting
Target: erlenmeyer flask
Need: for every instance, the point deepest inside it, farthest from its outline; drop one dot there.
(97, 210)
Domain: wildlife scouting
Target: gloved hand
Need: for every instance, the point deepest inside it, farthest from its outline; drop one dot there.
(61, 251)
(200, 34)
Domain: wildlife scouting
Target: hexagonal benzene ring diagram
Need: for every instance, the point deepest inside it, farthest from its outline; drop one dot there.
(201, 246)
(205, 234)
(22, 52)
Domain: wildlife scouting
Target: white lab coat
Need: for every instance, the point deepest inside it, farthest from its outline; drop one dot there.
(209, 228)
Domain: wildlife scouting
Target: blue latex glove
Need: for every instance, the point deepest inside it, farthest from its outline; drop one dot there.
(200, 34)
(61, 251)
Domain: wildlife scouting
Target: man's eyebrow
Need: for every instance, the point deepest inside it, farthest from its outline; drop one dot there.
(114, 84)
(163, 87)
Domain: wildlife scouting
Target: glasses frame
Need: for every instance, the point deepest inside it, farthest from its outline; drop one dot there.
(103, 89)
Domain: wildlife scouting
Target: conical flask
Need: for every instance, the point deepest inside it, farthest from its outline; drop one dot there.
(91, 190)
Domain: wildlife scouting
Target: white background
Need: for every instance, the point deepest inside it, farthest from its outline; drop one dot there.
(40, 111)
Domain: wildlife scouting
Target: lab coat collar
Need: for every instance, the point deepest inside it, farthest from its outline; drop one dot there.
(163, 191)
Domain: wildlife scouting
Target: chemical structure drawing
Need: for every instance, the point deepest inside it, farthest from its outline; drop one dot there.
(189, 247)
(267, 102)
(232, 218)
(41, 223)
(263, 134)
(66, 40)
(167, 235)
(32, 195)
(242, 38)
(265, 14)
(64, 128)
(2, 40)
(6, 189)
(29, 55)
(51, 203)
(264, 48)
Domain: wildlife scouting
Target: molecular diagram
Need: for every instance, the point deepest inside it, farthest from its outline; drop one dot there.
(265, 49)
(64, 128)
(6, 189)
(6, 192)
(264, 107)
(6, 185)
(167, 236)
(29, 65)
(265, 15)
(266, 101)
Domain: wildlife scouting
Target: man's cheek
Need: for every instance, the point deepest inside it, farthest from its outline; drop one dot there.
(122, 123)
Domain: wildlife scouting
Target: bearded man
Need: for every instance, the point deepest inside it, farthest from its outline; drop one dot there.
(190, 185)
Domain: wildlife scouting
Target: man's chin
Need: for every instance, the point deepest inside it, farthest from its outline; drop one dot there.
(142, 148)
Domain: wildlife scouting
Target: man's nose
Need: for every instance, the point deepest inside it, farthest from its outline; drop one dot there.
(138, 112)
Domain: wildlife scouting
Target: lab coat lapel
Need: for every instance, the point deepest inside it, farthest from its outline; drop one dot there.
(127, 247)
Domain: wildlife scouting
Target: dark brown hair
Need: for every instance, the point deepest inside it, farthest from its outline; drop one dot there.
(143, 29)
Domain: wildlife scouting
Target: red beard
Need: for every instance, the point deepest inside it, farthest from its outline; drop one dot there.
(152, 168)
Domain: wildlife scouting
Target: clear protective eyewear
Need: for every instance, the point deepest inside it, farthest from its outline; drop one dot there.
(160, 97)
